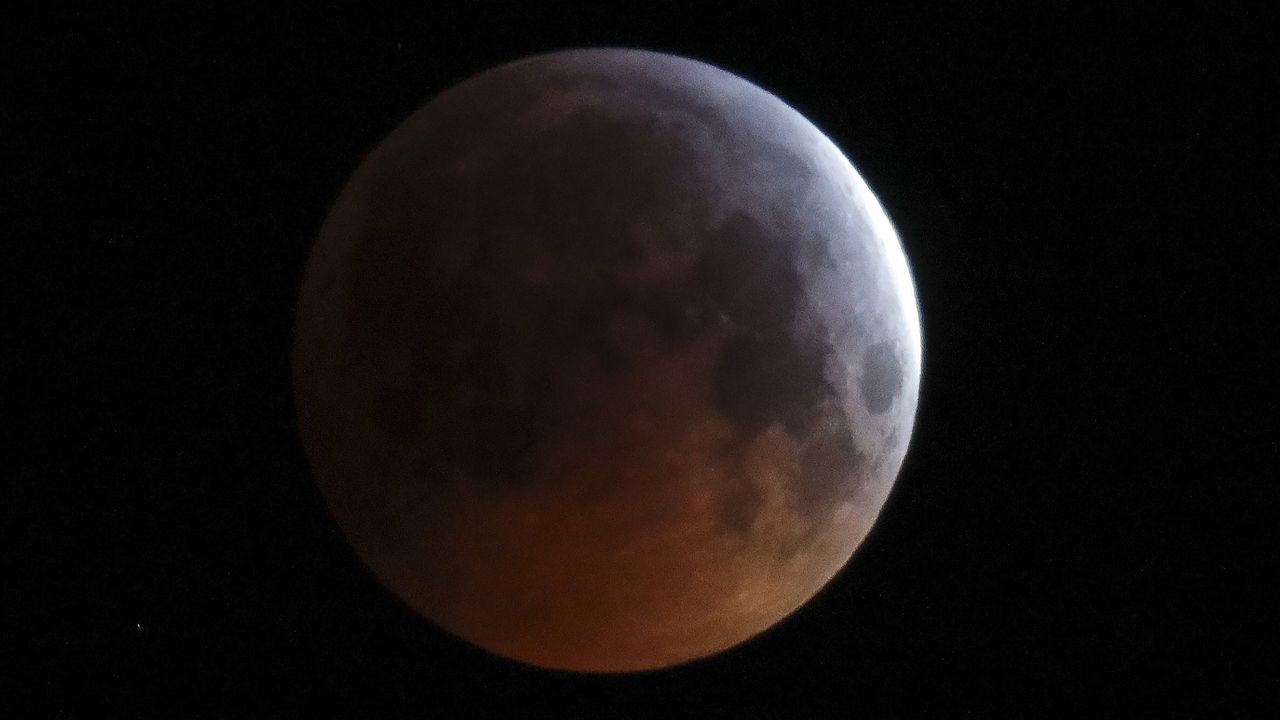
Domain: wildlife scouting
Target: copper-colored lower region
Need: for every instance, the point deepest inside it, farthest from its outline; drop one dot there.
(616, 556)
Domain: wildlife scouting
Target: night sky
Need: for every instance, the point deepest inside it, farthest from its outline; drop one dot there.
(1084, 523)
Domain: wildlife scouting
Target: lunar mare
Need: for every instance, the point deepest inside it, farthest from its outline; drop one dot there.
(606, 360)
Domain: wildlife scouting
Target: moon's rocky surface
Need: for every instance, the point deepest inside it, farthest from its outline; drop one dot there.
(606, 360)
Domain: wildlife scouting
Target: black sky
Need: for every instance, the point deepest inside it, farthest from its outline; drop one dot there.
(1084, 522)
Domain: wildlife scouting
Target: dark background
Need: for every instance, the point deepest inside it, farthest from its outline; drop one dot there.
(1082, 525)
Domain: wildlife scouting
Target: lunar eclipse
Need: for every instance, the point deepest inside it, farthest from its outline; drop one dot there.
(606, 360)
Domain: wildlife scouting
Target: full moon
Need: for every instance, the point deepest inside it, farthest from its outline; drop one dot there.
(606, 360)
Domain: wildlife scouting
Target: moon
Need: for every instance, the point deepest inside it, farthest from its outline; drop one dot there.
(606, 360)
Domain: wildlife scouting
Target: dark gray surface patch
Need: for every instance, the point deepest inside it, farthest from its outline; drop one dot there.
(766, 372)
(881, 377)
(763, 379)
